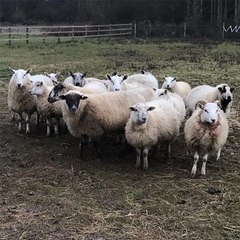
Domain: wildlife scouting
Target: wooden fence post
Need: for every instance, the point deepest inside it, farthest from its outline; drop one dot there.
(223, 30)
(27, 35)
(59, 40)
(134, 29)
(86, 31)
(184, 29)
(9, 36)
(73, 34)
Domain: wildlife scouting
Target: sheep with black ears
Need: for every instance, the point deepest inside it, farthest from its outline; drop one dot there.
(179, 87)
(221, 92)
(205, 131)
(46, 109)
(96, 115)
(150, 125)
(19, 99)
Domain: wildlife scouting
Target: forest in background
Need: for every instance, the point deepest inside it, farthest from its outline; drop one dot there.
(35, 12)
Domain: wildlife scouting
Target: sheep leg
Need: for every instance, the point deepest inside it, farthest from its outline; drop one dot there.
(13, 117)
(48, 126)
(145, 159)
(194, 168)
(28, 117)
(37, 119)
(20, 119)
(218, 154)
(56, 126)
(138, 161)
(98, 151)
(203, 170)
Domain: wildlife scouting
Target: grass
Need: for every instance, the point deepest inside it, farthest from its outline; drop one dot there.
(47, 192)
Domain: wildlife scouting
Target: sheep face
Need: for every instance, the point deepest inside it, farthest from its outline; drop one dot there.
(226, 92)
(210, 113)
(116, 81)
(57, 90)
(20, 77)
(160, 93)
(73, 101)
(78, 78)
(139, 113)
(37, 88)
(53, 77)
(169, 82)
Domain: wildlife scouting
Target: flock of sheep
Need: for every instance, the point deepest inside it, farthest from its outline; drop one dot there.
(149, 116)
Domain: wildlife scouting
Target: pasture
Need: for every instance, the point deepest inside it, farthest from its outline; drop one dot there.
(48, 192)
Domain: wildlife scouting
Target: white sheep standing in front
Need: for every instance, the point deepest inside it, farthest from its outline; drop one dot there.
(221, 92)
(205, 131)
(19, 99)
(46, 109)
(175, 99)
(150, 125)
(179, 87)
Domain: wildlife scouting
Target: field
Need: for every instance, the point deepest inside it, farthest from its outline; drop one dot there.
(48, 192)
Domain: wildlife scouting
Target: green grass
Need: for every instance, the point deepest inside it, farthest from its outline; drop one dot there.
(47, 192)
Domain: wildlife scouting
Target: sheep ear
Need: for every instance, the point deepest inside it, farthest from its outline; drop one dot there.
(58, 74)
(109, 77)
(218, 103)
(83, 97)
(63, 97)
(132, 108)
(46, 74)
(125, 77)
(150, 108)
(231, 89)
(174, 79)
(154, 89)
(200, 104)
(164, 78)
(28, 71)
(71, 74)
(84, 75)
(220, 89)
(12, 70)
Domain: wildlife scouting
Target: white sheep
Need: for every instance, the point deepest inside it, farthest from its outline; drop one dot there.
(175, 99)
(179, 87)
(96, 115)
(53, 77)
(47, 110)
(40, 77)
(221, 92)
(150, 125)
(19, 99)
(205, 131)
(89, 88)
(119, 82)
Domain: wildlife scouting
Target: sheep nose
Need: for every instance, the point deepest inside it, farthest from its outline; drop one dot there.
(144, 119)
(19, 85)
(117, 89)
(50, 99)
(73, 109)
(78, 84)
(213, 120)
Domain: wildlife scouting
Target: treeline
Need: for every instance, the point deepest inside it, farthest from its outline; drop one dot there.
(33, 12)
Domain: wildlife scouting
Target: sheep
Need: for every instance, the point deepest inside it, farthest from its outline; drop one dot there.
(205, 131)
(179, 87)
(62, 88)
(40, 77)
(149, 125)
(53, 77)
(97, 114)
(119, 82)
(79, 79)
(46, 109)
(221, 92)
(19, 99)
(175, 99)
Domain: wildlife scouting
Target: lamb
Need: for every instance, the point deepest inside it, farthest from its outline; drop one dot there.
(46, 109)
(19, 99)
(96, 115)
(205, 131)
(53, 77)
(148, 126)
(62, 88)
(221, 92)
(79, 79)
(179, 87)
(119, 82)
(175, 99)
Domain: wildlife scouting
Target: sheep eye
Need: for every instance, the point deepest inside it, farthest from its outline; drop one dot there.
(206, 110)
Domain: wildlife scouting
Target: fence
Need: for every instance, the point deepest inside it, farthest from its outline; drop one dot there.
(29, 33)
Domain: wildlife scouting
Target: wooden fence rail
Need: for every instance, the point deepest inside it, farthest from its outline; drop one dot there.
(29, 33)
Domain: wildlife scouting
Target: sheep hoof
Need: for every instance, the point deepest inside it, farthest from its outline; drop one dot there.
(145, 168)
(27, 131)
